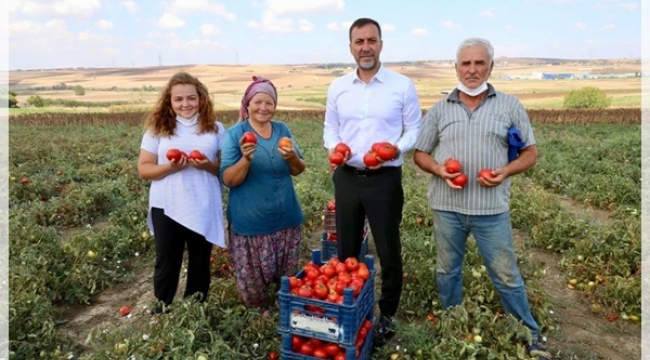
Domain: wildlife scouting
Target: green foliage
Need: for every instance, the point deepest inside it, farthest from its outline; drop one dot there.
(79, 90)
(588, 97)
(35, 101)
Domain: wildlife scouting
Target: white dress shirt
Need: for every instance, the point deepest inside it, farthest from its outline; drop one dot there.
(386, 109)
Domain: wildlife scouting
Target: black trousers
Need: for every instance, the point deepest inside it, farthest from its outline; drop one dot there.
(377, 195)
(171, 238)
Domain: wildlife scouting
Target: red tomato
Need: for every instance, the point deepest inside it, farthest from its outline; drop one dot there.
(340, 267)
(363, 272)
(344, 277)
(273, 355)
(125, 310)
(460, 180)
(294, 282)
(386, 151)
(486, 173)
(340, 356)
(306, 349)
(196, 155)
(453, 166)
(336, 158)
(375, 147)
(24, 181)
(352, 264)
(332, 296)
(305, 291)
(250, 137)
(320, 353)
(297, 341)
(328, 270)
(331, 349)
(312, 273)
(342, 149)
(320, 290)
(370, 159)
(285, 142)
(174, 154)
(332, 236)
(333, 261)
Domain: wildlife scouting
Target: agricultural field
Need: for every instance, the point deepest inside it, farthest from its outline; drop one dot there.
(80, 250)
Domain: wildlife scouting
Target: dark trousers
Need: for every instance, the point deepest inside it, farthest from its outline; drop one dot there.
(378, 196)
(171, 238)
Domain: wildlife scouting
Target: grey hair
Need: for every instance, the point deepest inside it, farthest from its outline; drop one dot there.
(471, 42)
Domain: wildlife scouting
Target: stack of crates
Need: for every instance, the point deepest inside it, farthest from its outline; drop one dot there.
(329, 239)
(327, 321)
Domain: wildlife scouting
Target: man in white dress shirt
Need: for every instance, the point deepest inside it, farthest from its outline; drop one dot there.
(369, 105)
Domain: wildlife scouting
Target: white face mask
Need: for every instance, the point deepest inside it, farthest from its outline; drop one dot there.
(188, 122)
(472, 92)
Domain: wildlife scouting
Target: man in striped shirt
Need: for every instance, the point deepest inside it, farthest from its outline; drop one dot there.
(471, 126)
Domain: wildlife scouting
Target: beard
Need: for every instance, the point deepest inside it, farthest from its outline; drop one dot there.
(367, 63)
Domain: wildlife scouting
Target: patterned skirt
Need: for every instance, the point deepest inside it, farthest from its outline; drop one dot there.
(260, 260)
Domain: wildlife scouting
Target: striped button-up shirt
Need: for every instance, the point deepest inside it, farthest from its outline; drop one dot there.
(360, 114)
(478, 140)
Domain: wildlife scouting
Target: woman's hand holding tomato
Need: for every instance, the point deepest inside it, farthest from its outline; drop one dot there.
(247, 147)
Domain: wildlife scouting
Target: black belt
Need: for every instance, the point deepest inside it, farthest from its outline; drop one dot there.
(368, 172)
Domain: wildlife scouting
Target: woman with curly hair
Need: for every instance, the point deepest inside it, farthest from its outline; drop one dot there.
(185, 206)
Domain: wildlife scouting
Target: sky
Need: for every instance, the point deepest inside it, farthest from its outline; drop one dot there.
(47, 34)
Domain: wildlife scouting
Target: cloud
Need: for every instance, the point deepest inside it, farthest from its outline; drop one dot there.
(104, 24)
(305, 26)
(131, 6)
(419, 32)
(630, 6)
(202, 6)
(387, 28)
(285, 7)
(83, 8)
(487, 13)
(271, 23)
(450, 25)
(609, 26)
(334, 27)
(580, 25)
(62, 8)
(210, 30)
(169, 21)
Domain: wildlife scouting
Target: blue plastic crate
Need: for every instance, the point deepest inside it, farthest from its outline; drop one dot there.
(332, 322)
(350, 350)
(329, 248)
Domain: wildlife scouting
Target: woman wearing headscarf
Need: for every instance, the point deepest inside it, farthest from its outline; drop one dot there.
(264, 216)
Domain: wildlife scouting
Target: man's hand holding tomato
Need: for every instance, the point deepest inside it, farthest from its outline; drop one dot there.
(337, 159)
(498, 176)
(381, 160)
(441, 171)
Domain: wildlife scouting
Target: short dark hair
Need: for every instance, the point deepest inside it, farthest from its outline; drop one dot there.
(361, 22)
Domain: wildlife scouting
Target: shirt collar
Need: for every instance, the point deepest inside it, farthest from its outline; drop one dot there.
(379, 76)
(453, 97)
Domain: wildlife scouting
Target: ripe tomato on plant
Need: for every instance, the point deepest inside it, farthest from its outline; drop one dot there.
(460, 180)
(174, 154)
(370, 159)
(386, 151)
(250, 137)
(453, 166)
(196, 155)
(285, 143)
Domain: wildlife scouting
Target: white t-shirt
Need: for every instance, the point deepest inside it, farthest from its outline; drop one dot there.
(191, 197)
